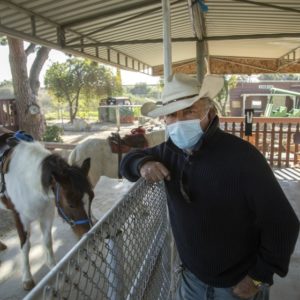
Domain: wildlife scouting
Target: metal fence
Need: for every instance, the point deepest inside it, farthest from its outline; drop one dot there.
(126, 255)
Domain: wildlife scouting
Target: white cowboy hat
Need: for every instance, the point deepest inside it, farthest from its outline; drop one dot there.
(182, 91)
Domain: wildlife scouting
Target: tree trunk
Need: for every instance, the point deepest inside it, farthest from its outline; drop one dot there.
(71, 114)
(31, 123)
(41, 57)
(76, 104)
(70, 110)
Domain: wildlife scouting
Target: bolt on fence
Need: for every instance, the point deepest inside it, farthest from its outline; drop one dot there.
(128, 254)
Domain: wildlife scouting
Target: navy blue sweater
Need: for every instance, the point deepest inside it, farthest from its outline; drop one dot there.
(238, 220)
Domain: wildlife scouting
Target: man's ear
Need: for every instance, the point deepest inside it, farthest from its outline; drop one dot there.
(211, 114)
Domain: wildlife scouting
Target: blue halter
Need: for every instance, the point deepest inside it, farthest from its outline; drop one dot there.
(63, 215)
(20, 135)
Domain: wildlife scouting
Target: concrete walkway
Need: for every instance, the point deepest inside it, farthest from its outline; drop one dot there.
(10, 266)
(287, 288)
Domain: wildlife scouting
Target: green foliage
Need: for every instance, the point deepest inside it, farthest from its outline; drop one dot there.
(52, 134)
(78, 79)
(223, 97)
(6, 83)
(279, 77)
(88, 114)
(118, 90)
(140, 89)
(6, 90)
(3, 41)
(136, 111)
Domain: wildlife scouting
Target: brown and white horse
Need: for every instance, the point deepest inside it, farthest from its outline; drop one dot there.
(36, 182)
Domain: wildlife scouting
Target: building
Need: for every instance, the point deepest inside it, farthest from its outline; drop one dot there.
(257, 94)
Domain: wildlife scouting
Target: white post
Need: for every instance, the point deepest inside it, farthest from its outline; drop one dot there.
(244, 104)
(167, 40)
(200, 50)
(118, 116)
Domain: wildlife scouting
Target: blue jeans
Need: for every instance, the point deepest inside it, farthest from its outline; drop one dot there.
(191, 288)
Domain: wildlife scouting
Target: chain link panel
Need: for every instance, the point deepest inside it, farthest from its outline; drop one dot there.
(126, 255)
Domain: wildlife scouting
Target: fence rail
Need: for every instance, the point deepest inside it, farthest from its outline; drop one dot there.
(276, 138)
(8, 114)
(126, 255)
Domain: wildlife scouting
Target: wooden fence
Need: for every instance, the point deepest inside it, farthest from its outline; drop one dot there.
(8, 114)
(277, 138)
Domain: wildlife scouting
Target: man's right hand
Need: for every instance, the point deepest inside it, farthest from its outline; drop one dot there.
(154, 171)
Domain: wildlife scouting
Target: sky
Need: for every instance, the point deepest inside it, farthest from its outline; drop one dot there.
(128, 78)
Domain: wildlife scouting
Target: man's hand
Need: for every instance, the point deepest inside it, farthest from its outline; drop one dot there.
(245, 289)
(154, 171)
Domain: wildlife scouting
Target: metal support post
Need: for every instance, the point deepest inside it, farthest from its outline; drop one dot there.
(167, 40)
(201, 65)
(118, 117)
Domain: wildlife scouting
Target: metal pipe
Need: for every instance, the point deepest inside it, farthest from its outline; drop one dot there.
(167, 43)
(200, 46)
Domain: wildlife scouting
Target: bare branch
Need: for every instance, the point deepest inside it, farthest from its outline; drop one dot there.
(30, 49)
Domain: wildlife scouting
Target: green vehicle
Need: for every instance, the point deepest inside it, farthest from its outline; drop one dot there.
(281, 111)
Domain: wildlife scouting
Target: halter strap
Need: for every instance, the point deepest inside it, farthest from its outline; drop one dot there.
(63, 215)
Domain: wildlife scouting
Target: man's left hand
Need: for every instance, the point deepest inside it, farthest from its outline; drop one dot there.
(245, 289)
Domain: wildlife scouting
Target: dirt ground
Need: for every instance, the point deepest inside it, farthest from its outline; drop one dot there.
(104, 129)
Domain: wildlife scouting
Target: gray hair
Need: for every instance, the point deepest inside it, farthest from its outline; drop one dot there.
(210, 104)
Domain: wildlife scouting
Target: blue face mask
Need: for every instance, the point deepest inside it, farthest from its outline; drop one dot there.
(185, 134)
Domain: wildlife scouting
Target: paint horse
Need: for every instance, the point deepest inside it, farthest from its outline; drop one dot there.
(34, 181)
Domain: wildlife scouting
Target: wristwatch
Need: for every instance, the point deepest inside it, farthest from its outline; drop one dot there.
(260, 284)
(257, 283)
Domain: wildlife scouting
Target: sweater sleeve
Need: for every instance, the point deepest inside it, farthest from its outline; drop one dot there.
(132, 161)
(275, 219)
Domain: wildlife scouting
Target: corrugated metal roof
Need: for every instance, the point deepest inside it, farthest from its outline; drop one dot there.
(129, 33)
(70, 25)
(228, 18)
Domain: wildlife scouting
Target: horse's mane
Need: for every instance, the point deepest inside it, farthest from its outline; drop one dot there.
(55, 167)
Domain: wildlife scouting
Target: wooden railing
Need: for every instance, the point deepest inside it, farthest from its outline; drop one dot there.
(274, 137)
(8, 114)
(61, 146)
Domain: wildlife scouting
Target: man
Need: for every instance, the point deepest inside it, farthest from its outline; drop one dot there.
(232, 224)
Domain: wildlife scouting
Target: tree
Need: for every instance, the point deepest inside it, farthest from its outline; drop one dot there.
(279, 77)
(78, 78)
(6, 83)
(140, 89)
(118, 91)
(222, 99)
(26, 86)
(6, 90)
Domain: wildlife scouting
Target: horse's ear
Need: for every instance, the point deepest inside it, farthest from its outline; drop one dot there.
(85, 167)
